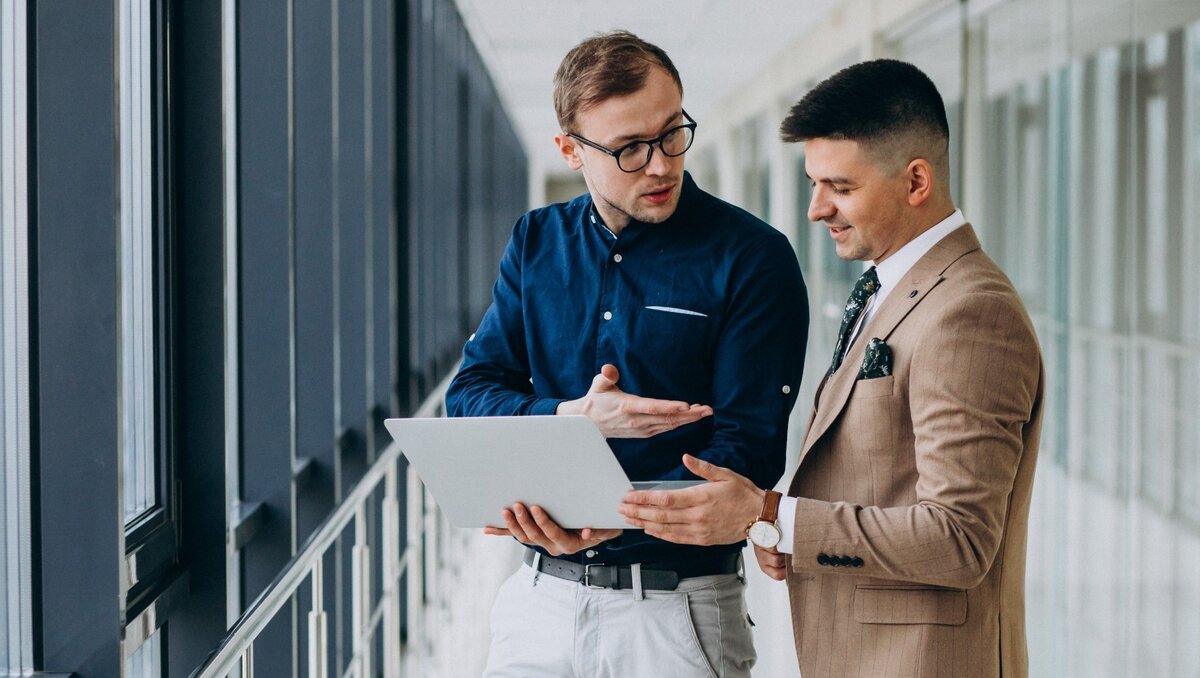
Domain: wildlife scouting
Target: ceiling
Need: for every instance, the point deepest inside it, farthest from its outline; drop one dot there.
(716, 45)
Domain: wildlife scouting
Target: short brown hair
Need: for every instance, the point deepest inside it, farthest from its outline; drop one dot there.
(602, 67)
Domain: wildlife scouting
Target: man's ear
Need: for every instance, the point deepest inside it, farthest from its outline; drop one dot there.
(569, 150)
(919, 174)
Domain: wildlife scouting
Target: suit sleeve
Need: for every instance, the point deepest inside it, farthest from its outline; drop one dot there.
(974, 383)
(757, 365)
(493, 379)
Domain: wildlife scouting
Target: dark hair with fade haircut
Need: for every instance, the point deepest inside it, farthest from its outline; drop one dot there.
(605, 66)
(872, 103)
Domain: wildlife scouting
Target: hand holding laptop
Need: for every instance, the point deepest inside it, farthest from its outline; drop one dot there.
(534, 527)
(481, 468)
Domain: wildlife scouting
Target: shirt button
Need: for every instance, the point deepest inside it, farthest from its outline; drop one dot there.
(590, 553)
(786, 389)
(617, 258)
(608, 315)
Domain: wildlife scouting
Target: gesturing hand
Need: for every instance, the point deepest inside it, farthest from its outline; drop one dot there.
(535, 527)
(621, 415)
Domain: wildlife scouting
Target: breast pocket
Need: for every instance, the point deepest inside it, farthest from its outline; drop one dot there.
(880, 387)
(680, 334)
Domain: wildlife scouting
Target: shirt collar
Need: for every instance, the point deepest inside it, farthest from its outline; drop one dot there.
(687, 196)
(892, 269)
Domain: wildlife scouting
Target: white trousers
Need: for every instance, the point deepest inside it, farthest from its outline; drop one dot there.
(543, 626)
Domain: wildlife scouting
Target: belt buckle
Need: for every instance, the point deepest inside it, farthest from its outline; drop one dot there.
(587, 576)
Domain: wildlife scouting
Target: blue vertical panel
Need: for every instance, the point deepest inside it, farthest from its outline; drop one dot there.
(314, 241)
(199, 422)
(315, 327)
(75, 385)
(350, 282)
(382, 168)
(265, 301)
(351, 242)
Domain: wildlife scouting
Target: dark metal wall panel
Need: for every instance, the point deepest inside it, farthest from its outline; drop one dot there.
(75, 418)
(315, 322)
(198, 307)
(382, 247)
(265, 273)
(467, 185)
(351, 242)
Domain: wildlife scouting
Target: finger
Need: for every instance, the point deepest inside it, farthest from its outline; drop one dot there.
(514, 527)
(674, 533)
(639, 405)
(706, 470)
(670, 419)
(497, 531)
(776, 573)
(610, 372)
(643, 516)
(564, 540)
(527, 524)
(769, 558)
(590, 534)
(606, 380)
(659, 498)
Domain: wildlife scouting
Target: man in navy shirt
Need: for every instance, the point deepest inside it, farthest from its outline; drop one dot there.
(677, 323)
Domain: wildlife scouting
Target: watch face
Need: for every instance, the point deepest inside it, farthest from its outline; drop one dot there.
(764, 534)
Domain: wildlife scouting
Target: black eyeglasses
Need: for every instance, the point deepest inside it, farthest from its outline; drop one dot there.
(635, 155)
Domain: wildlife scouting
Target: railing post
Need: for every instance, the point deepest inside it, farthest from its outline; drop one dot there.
(248, 662)
(414, 556)
(391, 575)
(317, 660)
(360, 585)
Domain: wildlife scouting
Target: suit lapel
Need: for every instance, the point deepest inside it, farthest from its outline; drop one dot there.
(920, 279)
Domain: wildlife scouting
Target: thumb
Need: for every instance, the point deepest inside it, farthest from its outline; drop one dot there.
(706, 470)
(607, 379)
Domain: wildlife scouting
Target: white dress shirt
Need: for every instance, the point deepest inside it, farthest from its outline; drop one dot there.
(890, 272)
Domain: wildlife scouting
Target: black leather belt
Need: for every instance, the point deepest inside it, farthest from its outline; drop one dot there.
(655, 576)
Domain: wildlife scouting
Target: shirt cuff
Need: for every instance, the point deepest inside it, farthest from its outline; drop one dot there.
(544, 406)
(787, 524)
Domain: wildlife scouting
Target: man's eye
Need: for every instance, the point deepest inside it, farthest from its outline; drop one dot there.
(841, 191)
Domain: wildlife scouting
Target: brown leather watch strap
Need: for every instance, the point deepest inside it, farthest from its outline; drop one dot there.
(770, 507)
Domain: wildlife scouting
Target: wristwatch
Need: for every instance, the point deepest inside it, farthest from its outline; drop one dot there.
(764, 533)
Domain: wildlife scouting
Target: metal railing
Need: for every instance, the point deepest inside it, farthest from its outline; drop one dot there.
(235, 653)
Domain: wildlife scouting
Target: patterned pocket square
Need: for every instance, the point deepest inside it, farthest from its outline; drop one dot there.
(878, 361)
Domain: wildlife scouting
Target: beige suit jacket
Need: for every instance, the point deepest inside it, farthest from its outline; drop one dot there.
(909, 544)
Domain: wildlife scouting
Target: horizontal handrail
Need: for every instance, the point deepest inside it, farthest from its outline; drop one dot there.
(260, 613)
(241, 636)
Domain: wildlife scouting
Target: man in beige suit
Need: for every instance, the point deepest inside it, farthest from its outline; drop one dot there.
(904, 528)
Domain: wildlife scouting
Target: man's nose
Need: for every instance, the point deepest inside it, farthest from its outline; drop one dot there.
(819, 208)
(659, 163)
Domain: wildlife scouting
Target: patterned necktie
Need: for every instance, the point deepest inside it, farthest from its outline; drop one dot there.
(867, 284)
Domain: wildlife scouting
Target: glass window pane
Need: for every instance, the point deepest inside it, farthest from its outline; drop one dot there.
(137, 264)
(147, 660)
(16, 644)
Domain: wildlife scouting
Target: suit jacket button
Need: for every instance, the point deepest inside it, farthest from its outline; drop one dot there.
(822, 559)
(846, 561)
(858, 562)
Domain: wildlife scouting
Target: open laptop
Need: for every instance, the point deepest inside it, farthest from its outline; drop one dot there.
(476, 466)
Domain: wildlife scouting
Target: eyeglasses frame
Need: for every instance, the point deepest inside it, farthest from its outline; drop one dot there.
(655, 142)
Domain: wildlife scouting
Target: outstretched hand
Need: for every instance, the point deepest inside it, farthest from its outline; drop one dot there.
(534, 527)
(717, 512)
(622, 415)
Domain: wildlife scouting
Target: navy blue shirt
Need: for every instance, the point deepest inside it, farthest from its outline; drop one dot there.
(706, 307)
